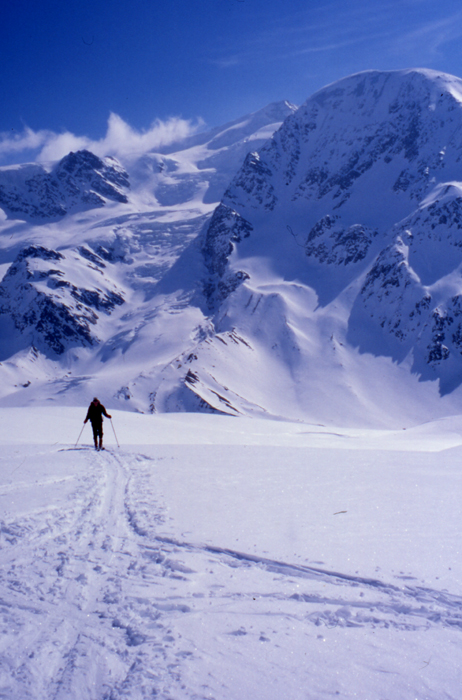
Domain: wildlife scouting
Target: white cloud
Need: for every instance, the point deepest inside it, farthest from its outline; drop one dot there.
(28, 139)
(431, 37)
(58, 145)
(121, 140)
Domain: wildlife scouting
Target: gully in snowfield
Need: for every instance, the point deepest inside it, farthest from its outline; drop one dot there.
(95, 414)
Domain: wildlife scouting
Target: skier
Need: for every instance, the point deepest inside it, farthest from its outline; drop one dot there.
(95, 414)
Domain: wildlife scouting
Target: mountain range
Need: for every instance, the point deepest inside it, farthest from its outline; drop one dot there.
(298, 263)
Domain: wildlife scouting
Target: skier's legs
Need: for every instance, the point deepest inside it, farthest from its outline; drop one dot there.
(100, 435)
(97, 433)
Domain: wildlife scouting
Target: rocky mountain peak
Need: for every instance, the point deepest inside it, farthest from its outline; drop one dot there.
(78, 181)
(100, 173)
(358, 190)
(44, 299)
(362, 152)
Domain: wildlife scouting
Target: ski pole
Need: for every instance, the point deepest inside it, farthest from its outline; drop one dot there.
(115, 434)
(83, 426)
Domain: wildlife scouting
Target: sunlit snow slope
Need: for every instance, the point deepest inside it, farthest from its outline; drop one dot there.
(324, 286)
(334, 259)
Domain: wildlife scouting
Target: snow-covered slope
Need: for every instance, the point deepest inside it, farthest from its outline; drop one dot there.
(335, 258)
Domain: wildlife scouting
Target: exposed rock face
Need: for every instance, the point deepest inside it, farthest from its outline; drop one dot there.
(226, 228)
(335, 245)
(51, 312)
(79, 181)
(412, 292)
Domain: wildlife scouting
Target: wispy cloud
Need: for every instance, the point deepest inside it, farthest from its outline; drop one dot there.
(320, 28)
(121, 140)
(431, 36)
(377, 33)
(228, 61)
(11, 143)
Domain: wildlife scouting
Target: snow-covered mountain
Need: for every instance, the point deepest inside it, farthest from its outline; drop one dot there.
(325, 285)
(85, 244)
(78, 182)
(337, 246)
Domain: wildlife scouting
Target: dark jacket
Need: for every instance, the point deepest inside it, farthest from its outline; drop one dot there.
(95, 413)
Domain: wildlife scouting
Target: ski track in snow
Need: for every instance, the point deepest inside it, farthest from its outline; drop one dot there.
(94, 601)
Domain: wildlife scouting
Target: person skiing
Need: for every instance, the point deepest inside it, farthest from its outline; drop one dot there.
(95, 414)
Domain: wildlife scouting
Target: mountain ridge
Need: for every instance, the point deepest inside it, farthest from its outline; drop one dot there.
(79, 181)
(324, 284)
(406, 147)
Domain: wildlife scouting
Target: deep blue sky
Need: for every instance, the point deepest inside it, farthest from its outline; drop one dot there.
(67, 65)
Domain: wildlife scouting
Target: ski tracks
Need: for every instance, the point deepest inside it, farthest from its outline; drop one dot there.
(96, 604)
(73, 594)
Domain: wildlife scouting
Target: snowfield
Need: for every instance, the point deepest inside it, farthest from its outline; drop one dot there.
(229, 558)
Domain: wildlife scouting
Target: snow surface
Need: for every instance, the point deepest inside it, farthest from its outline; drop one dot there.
(228, 558)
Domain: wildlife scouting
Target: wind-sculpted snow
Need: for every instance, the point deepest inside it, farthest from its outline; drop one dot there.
(79, 181)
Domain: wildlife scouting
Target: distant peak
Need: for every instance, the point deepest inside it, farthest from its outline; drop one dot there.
(79, 159)
(279, 110)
